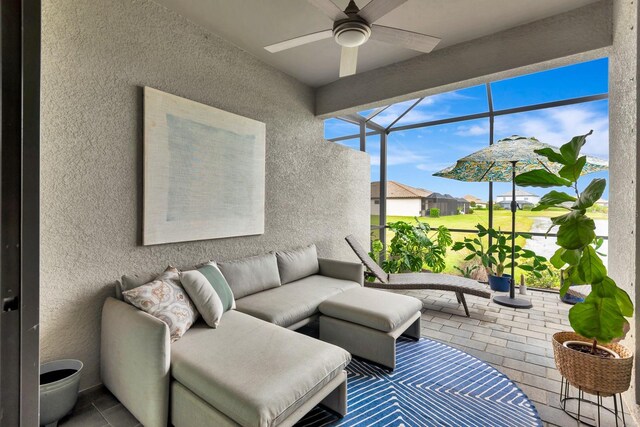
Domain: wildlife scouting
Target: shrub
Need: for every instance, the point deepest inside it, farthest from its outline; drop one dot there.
(467, 271)
(434, 213)
(470, 211)
(472, 204)
(547, 280)
(414, 246)
(497, 207)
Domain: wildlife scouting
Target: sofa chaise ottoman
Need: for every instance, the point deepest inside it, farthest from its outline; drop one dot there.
(367, 322)
(264, 375)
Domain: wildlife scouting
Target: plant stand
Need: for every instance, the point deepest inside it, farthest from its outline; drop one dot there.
(578, 405)
(596, 376)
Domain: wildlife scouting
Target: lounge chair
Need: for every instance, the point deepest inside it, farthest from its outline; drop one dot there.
(418, 281)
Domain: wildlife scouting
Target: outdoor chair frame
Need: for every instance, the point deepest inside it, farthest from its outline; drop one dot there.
(418, 281)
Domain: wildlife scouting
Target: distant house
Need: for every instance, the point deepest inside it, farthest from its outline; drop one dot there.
(603, 202)
(475, 201)
(446, 203)
(402, 199)
(463, 205)
(523, 198)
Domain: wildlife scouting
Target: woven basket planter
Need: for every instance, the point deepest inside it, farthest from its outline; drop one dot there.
(593, 374)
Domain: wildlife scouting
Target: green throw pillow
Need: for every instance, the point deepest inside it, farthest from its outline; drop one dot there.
(209, 291)
(220, 285)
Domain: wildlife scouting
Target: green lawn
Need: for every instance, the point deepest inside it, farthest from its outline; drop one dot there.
(501, 220)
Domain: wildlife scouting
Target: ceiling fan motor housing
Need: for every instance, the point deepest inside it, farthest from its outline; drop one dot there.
(351, 32)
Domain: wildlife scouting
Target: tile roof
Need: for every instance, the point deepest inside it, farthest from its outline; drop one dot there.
(472, 198)
(396, 190)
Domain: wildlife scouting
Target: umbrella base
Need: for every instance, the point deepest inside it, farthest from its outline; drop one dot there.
(512, 302)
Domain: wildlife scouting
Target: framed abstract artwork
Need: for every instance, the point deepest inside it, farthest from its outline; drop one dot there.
(204, 171)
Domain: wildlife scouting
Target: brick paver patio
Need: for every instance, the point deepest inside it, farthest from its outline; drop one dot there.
(516, 342)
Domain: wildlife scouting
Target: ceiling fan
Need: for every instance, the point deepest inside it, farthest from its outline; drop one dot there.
(353, 27)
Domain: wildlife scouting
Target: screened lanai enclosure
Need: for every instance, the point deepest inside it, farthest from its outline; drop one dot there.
(410, 140)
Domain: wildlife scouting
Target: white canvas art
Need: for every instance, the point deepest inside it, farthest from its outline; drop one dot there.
(204, 171)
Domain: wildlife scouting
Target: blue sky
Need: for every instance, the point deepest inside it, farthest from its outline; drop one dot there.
(414, 155)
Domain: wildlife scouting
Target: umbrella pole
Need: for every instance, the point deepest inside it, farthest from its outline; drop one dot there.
(514, 206)
(511, 300)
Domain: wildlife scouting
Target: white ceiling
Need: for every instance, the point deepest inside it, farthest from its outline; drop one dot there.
(253, 24)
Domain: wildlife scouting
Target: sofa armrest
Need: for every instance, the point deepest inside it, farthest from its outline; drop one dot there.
(344, 270)
(135, 356)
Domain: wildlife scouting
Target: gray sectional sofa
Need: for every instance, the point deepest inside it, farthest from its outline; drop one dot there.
(253, 369)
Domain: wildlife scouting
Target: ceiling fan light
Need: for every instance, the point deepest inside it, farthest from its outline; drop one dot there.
(351, 38)
(351, 34)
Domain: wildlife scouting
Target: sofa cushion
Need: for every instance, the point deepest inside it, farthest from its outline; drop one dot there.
(131, 281)
(380, 310)
(209, 292)
(297, 264)
(293, 302)
(250, 275)
(254, 372)
(165, 299)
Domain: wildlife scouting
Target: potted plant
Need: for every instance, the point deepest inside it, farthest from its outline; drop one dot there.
(497, 257)
(589, 357)
(413, 247)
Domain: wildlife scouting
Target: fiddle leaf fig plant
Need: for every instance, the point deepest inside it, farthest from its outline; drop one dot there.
(602, 315)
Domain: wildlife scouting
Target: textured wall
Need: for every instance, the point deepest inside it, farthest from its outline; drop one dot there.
(95, 57)
(623, 157)
(547, 43)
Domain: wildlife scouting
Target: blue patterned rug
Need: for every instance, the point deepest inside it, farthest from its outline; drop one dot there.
(432, 385)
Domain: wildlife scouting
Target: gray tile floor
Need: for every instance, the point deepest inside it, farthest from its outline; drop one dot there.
(99, 408)
(516, 342)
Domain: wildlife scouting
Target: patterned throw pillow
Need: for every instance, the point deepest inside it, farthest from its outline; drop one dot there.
(165, 299)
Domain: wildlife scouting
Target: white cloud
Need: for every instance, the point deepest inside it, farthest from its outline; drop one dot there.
(398, 155)
(432, 167)
(473, 130)
(557, 126)
(393, 112)
(423, 112)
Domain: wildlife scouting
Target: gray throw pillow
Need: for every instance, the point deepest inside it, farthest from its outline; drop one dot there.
(250, 275)
(297, 264)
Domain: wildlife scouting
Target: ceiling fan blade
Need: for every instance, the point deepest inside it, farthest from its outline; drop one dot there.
(348, 61)
(330, 9)
(404, 38)
(376, 9)
(299, 41)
